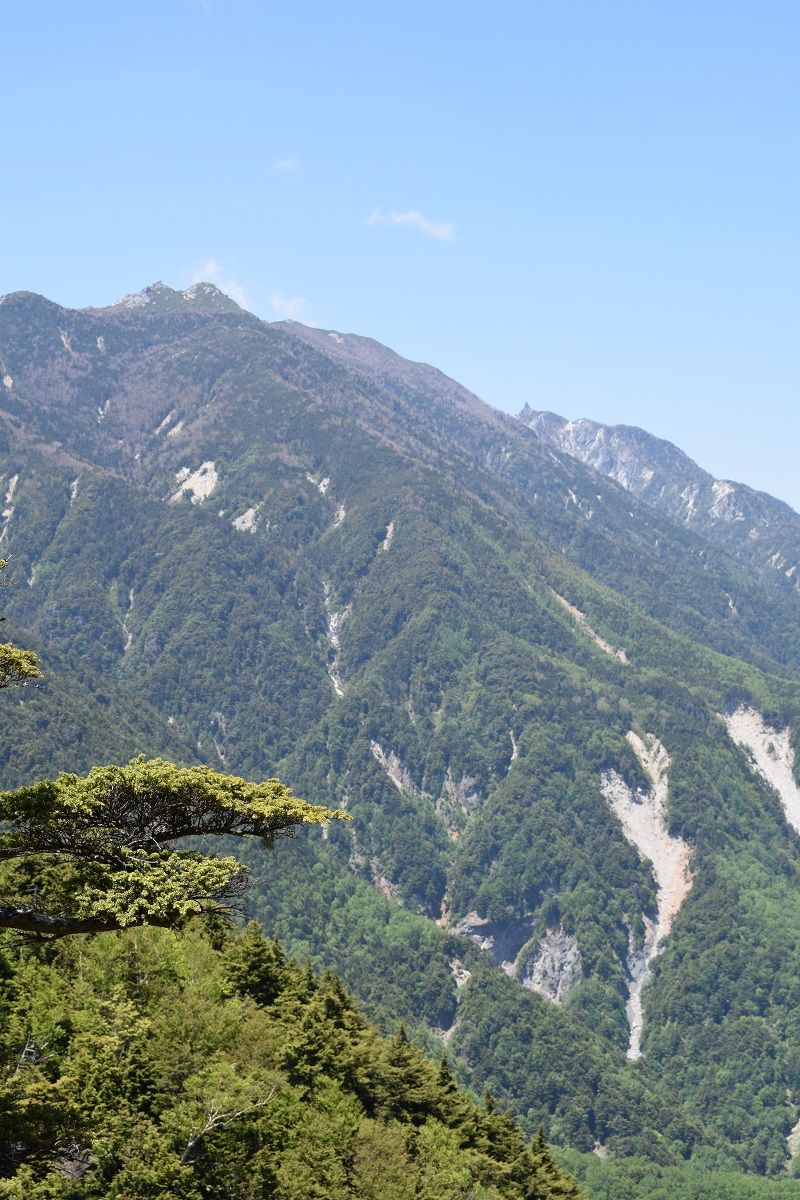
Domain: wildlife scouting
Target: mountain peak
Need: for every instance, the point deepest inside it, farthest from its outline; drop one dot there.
(755, 527)
(208, 295)
(159, 297)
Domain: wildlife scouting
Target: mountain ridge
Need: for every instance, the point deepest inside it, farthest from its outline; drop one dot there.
(747, 522)
(492, 459)
(317, 560)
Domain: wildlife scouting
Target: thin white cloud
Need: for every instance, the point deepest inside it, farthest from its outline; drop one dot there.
(213, 272)
(443, 231)
(286, 164)
(286, 308)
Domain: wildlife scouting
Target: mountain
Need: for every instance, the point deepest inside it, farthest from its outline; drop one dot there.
(564, 724)
(757, 529)
(160, 298)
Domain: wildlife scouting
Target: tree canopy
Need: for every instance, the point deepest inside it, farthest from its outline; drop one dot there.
(96, 853)
(111, 835)
(209, 1064)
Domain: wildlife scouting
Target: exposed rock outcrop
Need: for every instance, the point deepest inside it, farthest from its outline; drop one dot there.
(321, 484)
(197, 485)
(458, 802)
(770, 754)
(334, 620)
(556, 968)
(643, 819)
(248, 521)
(502, 939)
(396, 770)
(8, 511)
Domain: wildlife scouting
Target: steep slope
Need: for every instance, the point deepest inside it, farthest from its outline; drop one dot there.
(315, 559)
(94, 385)
(76, 717)
(760, 531)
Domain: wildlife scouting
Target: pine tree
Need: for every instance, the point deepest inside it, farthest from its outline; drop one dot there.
(254, 966)
(549, 1181)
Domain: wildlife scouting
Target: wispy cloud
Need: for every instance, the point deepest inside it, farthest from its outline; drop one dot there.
(286, 164)
(443, 231)
(212, 271)
(287, 308)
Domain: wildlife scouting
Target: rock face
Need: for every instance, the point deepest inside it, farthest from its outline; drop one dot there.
(334, 621)
(197, 485)
(556, 968)
(643, 820)
(771, 755)
(552, 970)
(757, 528)
(458, 802)
(502, 939)
(396, 770)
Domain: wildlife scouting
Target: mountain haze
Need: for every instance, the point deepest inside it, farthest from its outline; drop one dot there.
(562, 716)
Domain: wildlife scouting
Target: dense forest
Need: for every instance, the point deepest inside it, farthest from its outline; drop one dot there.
(148, 1064)
(641, 1179)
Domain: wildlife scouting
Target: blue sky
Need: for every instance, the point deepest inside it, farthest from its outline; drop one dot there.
(589, 207)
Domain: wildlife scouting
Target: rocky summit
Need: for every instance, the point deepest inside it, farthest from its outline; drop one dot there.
(752, 526)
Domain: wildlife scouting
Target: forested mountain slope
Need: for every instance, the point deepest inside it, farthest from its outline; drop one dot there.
(532, 693)
(76, 716)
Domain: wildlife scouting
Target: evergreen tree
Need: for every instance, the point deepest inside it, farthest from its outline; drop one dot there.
(133, 1069)
(103, 845)
(254, 966)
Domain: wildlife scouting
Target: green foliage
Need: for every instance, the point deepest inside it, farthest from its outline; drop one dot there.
(180, 635)
(115, 828)
(638, 1179)
(186, 1071)
(17, 666)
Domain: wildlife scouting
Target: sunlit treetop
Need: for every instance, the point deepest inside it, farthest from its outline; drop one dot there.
(96, 853)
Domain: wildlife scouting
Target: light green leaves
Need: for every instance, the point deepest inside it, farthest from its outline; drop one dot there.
(113, 831)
